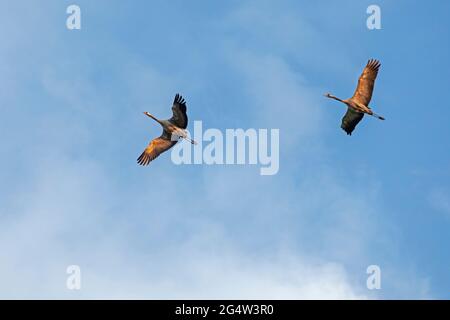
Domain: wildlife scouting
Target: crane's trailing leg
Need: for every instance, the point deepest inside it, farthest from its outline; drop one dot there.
(359, 107)
(377, 116)
(181, 134)
(190, 140)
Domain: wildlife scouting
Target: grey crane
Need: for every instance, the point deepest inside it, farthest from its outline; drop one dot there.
(358, 105)
(174, 129)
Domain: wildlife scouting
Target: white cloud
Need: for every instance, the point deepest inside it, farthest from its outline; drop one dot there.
(69, 216)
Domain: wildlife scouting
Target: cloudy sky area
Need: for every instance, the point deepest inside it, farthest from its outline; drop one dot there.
(71, 128)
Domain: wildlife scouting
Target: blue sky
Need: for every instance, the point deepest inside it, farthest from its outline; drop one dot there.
(71, 128)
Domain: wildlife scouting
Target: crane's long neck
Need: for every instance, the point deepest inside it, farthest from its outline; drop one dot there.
(335, 98)
(153, 117)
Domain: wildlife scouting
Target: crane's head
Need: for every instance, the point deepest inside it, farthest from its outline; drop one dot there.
(328, 95)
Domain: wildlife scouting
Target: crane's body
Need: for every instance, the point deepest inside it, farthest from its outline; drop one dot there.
(174, 129)
(176, 132)
(358, 105)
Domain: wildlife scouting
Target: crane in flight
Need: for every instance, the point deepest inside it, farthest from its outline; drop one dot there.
(174, 129)
(358, 105)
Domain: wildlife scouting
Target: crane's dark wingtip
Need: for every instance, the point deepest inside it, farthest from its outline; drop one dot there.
(179, 99)
(374, 64)
(347, 130)
(143, 160)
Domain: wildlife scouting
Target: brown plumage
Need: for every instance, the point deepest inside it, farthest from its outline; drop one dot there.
(366, 82)
(358, 105)
(154, 149)
(173, 130)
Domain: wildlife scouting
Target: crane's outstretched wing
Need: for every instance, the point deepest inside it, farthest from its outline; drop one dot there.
(155, 148)
(366, 82)
(350, 120)
(179, 117)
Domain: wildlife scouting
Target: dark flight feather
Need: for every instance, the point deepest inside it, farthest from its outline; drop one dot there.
(179, 118)
(350, 120)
